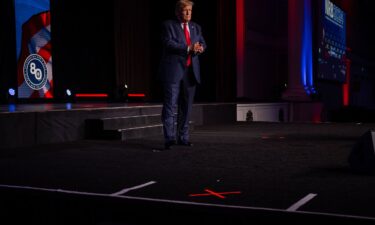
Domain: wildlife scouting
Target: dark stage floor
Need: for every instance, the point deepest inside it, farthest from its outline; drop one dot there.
(243, 173)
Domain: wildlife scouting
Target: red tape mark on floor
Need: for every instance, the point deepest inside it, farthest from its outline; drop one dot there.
(217, 194)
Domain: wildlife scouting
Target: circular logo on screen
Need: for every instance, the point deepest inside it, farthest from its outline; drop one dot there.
(35, 71)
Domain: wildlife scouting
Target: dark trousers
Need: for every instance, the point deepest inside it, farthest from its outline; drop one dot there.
(178, 97)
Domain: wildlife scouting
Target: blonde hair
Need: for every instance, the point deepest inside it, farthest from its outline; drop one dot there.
(180, 4)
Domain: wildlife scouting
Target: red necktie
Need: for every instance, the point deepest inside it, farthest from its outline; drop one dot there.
(188, 41)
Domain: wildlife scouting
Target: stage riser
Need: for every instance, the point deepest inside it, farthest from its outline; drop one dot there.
(32, 128)
(263, 112)
(17, 129)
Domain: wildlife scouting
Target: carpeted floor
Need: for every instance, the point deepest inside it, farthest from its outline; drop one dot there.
(266, 168)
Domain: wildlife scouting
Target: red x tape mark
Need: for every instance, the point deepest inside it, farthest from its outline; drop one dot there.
(217, 194)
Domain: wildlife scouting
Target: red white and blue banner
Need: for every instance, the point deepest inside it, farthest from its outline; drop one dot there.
(34, 56)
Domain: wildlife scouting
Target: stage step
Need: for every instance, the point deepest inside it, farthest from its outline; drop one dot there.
(130, 121)
(140, 132)
(123, 128)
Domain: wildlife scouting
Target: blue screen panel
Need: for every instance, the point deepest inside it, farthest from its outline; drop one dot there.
(332, 43)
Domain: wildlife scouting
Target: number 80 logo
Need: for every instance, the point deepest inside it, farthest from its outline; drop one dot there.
(35, 71)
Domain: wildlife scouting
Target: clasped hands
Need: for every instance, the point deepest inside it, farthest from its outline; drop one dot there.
(196, 48)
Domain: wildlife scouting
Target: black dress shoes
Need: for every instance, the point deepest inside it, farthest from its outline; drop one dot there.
(185, 143)
(169, 144)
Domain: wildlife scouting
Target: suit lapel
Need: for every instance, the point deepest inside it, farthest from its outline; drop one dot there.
(192, 32)
(180, 31)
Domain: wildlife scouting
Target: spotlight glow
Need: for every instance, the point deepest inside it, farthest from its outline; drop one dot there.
(68, 92)
(11, 92)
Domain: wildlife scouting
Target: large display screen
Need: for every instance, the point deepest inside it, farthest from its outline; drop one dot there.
(332, 43)
(34, 56)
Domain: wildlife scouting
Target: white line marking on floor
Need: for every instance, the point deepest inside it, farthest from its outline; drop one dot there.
(183, 202)
(301, 202)
(52, 190)
(123, 191)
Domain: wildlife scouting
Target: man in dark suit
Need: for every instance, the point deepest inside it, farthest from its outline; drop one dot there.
(180, 72)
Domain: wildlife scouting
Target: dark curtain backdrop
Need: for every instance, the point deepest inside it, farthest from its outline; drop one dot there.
(7, 49)
(132, 46)
(98, 47)
(83, 47)
(138, 46)
(226, 53)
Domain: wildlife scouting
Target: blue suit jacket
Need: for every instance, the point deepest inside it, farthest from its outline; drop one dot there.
(174, 56)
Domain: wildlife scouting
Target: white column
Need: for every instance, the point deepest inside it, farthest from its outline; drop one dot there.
(295, 89)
